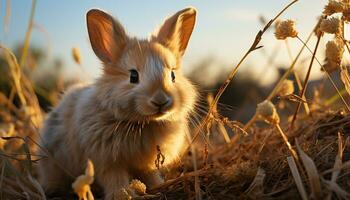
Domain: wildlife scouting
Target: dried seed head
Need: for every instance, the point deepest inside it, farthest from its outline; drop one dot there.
(334, 55)
(335, 50)
(286, 88)
(331, 25)
(123, 195)
(267, 111)
(138, 187)
(285, 29)
(317, 30)
(332, 7)
(277, 22)
(76, 55)
(330, 66)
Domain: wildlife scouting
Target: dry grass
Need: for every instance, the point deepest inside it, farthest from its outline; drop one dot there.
(249, 167)
(310, 161)
(231, 170)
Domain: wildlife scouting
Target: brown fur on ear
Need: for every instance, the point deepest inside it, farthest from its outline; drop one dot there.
(107, 36)
(176, 31)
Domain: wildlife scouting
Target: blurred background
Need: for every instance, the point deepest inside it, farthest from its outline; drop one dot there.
(224, 32)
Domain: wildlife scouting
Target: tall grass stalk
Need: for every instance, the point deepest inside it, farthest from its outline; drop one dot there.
(15, 73)
(297, 78)
(28, 34)
(306, 80)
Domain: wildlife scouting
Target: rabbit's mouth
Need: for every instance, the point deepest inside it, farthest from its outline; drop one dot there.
(160, 114)
(145, 110)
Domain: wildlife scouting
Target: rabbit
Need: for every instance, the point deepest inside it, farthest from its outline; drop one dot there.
(140, 105)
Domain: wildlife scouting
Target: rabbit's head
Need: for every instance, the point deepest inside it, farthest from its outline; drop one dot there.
(142, 79)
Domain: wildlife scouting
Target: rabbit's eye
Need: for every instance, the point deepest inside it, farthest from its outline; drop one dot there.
(173, 76)
(134, 76)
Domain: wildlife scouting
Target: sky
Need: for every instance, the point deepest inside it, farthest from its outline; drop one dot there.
(225, 29)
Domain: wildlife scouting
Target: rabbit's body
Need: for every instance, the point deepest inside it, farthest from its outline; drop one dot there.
(120, 122)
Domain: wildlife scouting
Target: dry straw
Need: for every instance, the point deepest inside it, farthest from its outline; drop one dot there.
(312, 173)
(297, 177)
(285, 29)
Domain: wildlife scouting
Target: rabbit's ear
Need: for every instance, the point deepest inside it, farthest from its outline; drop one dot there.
(107, 36)
(176, 31)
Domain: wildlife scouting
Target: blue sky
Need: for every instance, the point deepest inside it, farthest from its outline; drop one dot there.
(225, 28)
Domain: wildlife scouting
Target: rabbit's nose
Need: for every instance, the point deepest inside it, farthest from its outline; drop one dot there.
(159, 104)
(161, 100)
